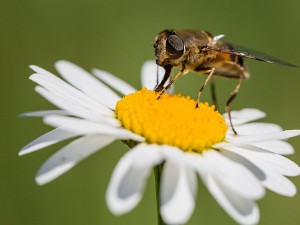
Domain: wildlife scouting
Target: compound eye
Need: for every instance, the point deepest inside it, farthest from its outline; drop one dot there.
(175, 46)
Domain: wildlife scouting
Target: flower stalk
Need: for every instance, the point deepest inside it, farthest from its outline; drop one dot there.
(157, 173)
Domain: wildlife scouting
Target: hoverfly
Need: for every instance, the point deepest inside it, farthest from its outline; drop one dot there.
(200, 51)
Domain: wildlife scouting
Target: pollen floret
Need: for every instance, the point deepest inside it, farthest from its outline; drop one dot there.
(171, 120)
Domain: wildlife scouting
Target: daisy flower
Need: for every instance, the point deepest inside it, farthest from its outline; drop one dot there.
(170, 135)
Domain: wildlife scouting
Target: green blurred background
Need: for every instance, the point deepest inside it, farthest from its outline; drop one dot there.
(117, 36)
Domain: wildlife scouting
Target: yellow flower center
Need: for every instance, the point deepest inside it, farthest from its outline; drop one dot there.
(172, 120)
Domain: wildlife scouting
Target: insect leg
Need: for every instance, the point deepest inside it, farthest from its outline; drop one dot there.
(213, 93)
(203, 86)
(232, 96)
(160, 86)
(171, 82)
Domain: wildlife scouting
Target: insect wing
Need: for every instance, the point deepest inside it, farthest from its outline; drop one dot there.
(248, 53)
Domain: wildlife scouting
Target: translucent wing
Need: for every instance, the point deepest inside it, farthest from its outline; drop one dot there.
(247, 53)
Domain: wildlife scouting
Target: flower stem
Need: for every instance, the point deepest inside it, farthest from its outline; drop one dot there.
(157, 173)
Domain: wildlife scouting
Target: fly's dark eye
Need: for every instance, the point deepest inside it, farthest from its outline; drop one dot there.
(175, 46)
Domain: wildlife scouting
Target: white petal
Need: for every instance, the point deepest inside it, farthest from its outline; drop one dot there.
(115, 82)
(47, 139)
(63, 103)
(40, 70)
(152, 74)
(149, 74)
(126, 187)
(88, 127)
(279, 184)
(197, 162)
(271, 180)
(178, 190)
(174, 154)
(69, 156)
(279, 147)
(264, 137)
(68, 93)
(85, 82)
(74, 109)
(255, 129)
(244, 116)
(147, 155)
(234, 176)
(266, 159)
(45, 113)
(242, 210)
(128, 180)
